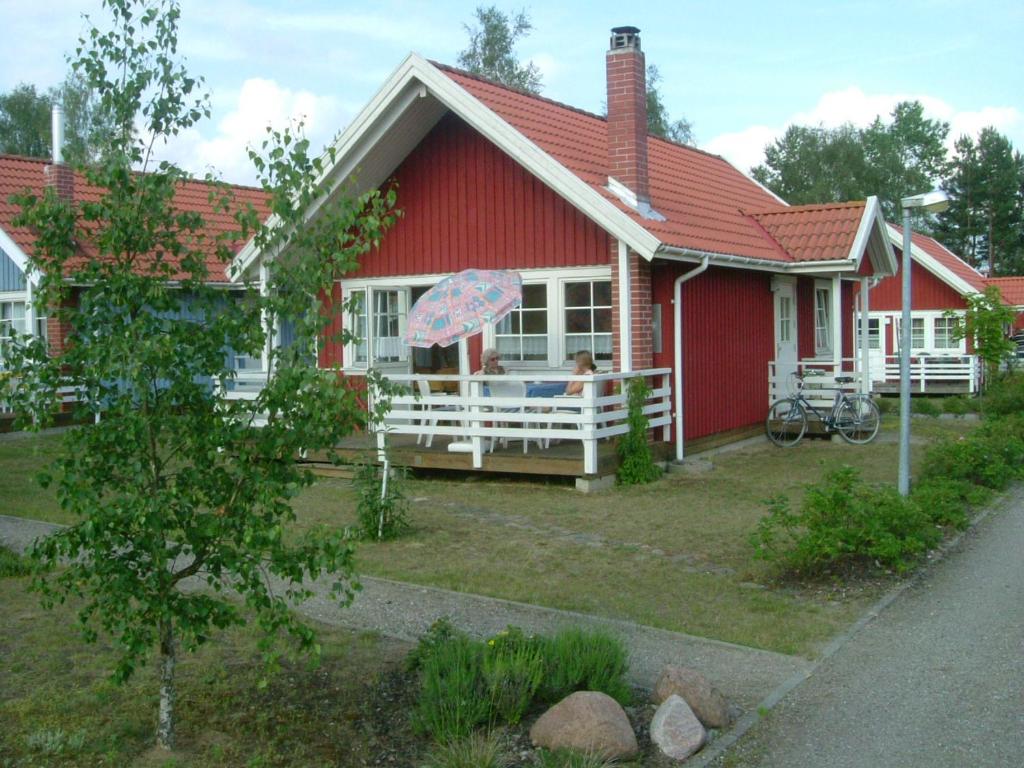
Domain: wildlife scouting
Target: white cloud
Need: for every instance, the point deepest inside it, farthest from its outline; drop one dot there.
(258, 104)
(745, 148)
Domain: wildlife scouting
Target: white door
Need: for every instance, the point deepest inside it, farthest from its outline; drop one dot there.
(784, 290)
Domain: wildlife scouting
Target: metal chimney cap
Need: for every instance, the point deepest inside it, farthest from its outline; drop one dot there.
(625, 37)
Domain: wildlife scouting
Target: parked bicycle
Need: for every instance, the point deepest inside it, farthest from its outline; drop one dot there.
(855, 417)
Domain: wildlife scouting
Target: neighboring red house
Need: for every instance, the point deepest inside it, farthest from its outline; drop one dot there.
(18, 313)
(1012, 291)
(940, 283)
(627, 243)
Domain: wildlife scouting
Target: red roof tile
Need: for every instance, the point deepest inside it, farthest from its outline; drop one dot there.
(21, 174)
(948, 259)
(707, 203)
(814, 232)
(1011, 288)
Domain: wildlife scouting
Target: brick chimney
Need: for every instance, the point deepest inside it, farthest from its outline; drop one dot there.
(627, 112)
(57, 174)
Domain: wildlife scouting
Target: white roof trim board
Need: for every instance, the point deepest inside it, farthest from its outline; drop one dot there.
(931, 264)
(873, 222)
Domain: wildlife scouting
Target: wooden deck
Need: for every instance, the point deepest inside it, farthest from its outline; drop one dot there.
(561, 460)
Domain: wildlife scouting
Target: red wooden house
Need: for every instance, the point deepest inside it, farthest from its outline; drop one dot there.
(940, 283)
(655, 256)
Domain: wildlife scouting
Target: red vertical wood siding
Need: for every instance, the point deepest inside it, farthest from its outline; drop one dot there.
(928, 292)
(728, 341)
(330, 351)
(805, 317)
(849, 322)
(466, 204)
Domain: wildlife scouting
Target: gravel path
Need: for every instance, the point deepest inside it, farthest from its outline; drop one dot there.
(405, 611)
(936, 680)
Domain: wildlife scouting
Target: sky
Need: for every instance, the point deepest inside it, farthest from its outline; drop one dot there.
(740, 71)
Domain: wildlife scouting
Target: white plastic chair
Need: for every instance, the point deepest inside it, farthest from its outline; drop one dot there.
(511, 389)
(432, 412)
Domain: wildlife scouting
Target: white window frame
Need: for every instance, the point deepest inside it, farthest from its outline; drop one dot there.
(566, 353)
(507, 361)
(949, 323)
(823, 312)
(553, 278)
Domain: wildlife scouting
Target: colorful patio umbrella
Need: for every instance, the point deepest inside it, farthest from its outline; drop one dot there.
(458, 306)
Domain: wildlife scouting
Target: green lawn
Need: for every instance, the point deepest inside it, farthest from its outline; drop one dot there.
(59, 707)
(674, 554)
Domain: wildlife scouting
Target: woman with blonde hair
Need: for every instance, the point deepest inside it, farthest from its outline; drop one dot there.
(490, 361)
(584, 367)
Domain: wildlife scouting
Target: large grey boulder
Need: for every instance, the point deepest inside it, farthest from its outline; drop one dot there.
(676, 730)
(706, 701)
(588, 721)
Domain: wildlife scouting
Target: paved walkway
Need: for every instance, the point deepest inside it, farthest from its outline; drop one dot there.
(936, 680)
(405, 611)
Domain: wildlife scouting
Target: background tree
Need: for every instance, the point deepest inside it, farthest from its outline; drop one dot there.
(985, 322)
(175, 480)
(26, 127)
(658, 121)
(985, 220)
(890, 160)
(491, 50)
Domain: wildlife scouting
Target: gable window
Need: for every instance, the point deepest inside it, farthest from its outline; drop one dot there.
(522, 335)
(588, 319)
(944, 328)
(822, 320)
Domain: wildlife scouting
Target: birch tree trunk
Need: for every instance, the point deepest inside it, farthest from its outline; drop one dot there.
(165, 724)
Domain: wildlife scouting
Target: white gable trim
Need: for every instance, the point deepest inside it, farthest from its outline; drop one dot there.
(932, 264)
(13, 250)
(394, 97)
(872, 222)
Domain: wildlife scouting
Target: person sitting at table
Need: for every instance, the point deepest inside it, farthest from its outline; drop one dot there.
(491, 362)
(584, 367)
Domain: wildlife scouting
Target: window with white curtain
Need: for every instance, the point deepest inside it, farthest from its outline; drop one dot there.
(358, 326)
(12, 322)
(389, 315)
(874, 333)
(588, 318)
(522, 335)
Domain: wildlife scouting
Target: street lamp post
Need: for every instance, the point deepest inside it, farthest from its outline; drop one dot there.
(928, 202)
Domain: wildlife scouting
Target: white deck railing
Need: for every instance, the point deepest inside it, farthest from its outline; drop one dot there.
(820, 383)
(474, 419)
(932, 369)
(925, 370)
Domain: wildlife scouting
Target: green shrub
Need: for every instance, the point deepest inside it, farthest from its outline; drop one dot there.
(943, 500)
(380, 516)
(636, 463)
(990, 456)
(580, 660)
(440, 632)
(13, 564)
(513, 669)
(453, 699)
(844, 522)
(924, 406)
(1004, 396)
(958, 405)
(888, 404)
(475, 751)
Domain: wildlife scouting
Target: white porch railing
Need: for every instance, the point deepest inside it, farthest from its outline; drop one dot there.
(820, 385)
(473, 418)
(925, 371)
(934, 369)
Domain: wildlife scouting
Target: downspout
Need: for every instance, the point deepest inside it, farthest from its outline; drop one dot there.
(625, 311)
(677, 299)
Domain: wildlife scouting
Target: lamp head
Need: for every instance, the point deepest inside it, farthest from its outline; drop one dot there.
(935, 201)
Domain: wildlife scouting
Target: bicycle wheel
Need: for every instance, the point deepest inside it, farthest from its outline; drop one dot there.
(786, 422)
(858, 419)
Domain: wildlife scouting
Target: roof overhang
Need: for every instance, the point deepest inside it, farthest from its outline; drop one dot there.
(404, 110)
(871, 240)
(931, 264)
